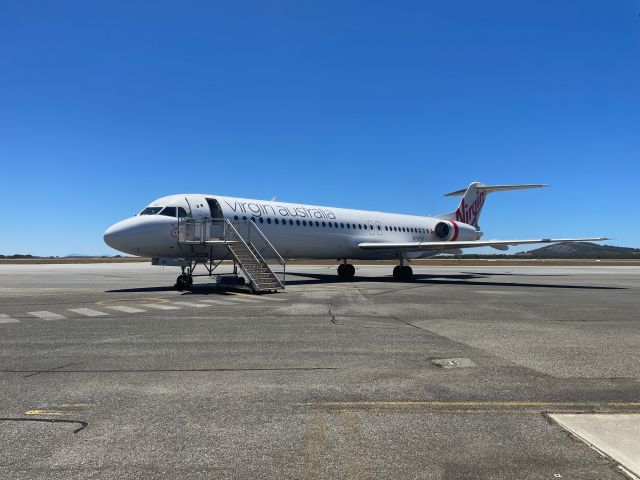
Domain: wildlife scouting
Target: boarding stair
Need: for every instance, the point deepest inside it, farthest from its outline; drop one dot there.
(204, 239)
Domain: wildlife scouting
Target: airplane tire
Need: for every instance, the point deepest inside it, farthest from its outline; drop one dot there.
(403, 273)
(350, 270)
(396, 272)
(346, 271)
(406, 273)
(181, 283)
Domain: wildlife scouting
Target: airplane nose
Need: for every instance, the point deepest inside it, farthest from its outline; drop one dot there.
(118, 235)
(148, 235)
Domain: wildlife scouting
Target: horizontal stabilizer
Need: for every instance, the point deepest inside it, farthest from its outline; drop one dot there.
(496, 188)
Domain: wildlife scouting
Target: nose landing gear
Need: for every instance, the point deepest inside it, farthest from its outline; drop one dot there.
(184, 281)
(346, 271)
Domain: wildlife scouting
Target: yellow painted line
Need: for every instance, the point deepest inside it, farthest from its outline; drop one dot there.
(42, 412)
(474, 404)
(136, 300)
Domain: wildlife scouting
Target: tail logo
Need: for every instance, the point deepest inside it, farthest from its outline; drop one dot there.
(469, 214)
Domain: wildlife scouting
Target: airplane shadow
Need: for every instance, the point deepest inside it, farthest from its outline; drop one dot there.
(201, 288)
(456, 279)
(466, 278)
(142, 290)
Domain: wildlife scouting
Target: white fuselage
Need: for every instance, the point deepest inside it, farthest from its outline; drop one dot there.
(295, 230)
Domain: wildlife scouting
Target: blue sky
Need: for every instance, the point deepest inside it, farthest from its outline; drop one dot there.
(105, 106)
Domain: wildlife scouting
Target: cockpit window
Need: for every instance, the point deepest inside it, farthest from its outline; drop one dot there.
(169, 211)
(150, 211)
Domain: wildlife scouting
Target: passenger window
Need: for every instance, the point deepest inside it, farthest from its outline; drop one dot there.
(348, 225)
(244, 217)
(317, 223)
(253, 219)
(290, 222)
(379, 227)
(304, 223)
(261, 220)
(341, 225)
(360, 226)
(324, 224)
(235, 217)
(268, 220)
(277, 222)
(298, 222)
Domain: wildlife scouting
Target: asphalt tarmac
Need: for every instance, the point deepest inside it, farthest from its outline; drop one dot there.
(106, 371)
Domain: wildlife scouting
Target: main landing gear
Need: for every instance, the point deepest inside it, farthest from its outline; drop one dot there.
(346, 271)
(403, 273)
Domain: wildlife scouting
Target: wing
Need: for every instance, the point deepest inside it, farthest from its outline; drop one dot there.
(430, 246)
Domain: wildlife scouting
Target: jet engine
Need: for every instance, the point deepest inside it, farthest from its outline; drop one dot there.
(455, 231)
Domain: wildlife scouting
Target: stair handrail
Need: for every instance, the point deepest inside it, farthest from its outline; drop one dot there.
(237, 234)
(279, 258)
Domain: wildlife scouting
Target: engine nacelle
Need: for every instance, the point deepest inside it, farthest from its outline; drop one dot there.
(448, 230)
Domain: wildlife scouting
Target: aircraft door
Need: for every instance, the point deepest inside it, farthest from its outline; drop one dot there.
(378, 228)
(198, 206)
(370, 227)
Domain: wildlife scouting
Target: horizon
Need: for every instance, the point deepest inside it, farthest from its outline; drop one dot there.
(107, 107)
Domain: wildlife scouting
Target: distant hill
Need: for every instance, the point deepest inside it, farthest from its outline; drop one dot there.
(581, 250)
(569, 250)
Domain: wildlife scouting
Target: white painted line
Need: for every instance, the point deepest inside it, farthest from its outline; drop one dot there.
(125, 309)
(271, 297)
(7, 319)
(88, 312)
(192, 304)
(243, 299)
(616, 435)
(159, 306)
(216, 302)
(44, 315)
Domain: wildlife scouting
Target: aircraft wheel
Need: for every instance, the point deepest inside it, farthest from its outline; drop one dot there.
(181, 283)
(403, 273)
(346, 271)
(396, 272)
(350, 270)
(189, 280)
(406, 273)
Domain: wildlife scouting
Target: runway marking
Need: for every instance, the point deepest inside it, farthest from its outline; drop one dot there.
(88, 312)
(45, 315)
(475, 408)
(271, 298)
(125, 309)
(474, 404)
(36, 411)
(244, 299)
(217, 302)
(7, 319)
(120, 300)
(191, 304)
(159, 306)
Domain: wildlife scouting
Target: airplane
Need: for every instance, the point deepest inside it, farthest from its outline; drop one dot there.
(317, 232)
